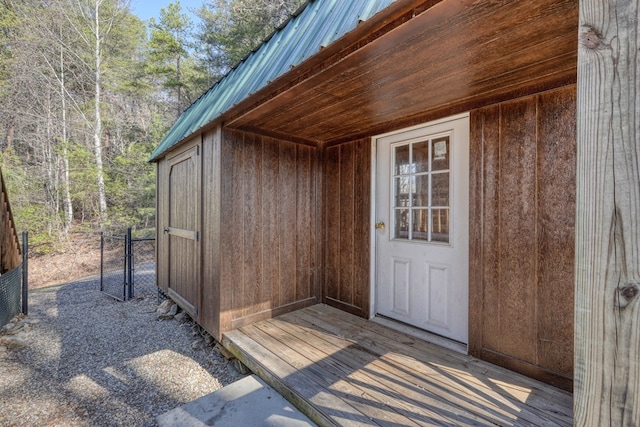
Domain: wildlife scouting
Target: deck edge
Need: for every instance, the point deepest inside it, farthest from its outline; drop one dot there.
(297, 400)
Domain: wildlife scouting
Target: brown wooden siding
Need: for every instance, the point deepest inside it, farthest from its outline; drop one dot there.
(10, 254)
(347, 202)
(522, 203)
(268, 245)
(210, 236)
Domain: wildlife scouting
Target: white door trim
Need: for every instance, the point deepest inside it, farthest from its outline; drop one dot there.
(373, 311)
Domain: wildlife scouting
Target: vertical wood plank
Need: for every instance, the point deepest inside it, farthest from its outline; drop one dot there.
(287, 213)
(491, 266)
(319, 224)
(347, 160)
(236, 225)
(252, 256)
(476, 289)
(210, 235)
(232, 282)
(332, 218)
(270, 220)
(518, 228)
(607, 332)
(556, 221)
(304, 223)
(362, 225)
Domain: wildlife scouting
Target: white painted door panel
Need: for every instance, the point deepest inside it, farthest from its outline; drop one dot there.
(422, 186)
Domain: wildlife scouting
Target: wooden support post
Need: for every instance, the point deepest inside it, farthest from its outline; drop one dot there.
(607, 310)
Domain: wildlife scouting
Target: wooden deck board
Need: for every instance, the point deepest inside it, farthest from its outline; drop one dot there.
(344, 370)
(348, 367)
(465, 370)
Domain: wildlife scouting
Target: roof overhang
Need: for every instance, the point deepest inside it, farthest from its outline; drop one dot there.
(415, 61)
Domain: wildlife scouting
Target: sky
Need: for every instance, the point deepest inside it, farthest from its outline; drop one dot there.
(146, 9)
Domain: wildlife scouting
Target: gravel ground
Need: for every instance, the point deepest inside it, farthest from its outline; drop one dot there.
(88, 360)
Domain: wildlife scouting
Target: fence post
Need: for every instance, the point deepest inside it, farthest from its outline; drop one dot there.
(25, 272)
(101, 260)
(129, 248)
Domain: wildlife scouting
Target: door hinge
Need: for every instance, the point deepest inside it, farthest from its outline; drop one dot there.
(197, 150)
(197, 236)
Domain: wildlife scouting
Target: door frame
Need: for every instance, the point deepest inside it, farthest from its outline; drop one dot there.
(373, 308)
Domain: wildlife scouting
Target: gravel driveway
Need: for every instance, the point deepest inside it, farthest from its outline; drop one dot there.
(89, 360)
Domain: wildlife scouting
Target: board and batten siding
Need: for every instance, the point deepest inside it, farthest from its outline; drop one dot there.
(347, 230)
(522, 204)
(269, 260)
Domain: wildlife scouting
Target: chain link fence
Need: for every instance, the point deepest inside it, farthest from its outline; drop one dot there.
(10, 294)
(14, 287)
(126, 261)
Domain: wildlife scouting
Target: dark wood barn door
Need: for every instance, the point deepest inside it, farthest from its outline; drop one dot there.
(183, 230)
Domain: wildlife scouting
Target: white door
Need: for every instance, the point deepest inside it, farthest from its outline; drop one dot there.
(422, 226)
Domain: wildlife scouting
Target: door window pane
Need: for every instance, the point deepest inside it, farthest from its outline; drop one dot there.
(420, 224)
(402, 160)
(421, 193)
(440, 225)
(402, 191)
(421, 156)
(440, 150)
(401, 222)
(440, 189)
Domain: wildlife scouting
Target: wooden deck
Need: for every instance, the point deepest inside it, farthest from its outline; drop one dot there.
(343, 370)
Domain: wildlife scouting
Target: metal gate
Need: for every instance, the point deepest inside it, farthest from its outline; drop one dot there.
(124, 262)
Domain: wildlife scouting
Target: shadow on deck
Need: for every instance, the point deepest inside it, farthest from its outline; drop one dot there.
(340, 369)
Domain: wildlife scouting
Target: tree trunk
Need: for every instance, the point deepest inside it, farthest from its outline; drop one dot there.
(97, 128)
(68, 206)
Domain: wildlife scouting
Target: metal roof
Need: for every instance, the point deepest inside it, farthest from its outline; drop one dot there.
(316, 25)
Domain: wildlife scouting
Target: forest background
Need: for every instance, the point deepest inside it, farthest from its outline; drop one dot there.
(88, 90)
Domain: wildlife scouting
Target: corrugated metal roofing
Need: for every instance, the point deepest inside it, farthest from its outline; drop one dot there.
(318, 24)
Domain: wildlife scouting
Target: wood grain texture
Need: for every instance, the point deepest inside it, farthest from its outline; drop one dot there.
(607, 385)
(522, 292)
(304, 225)
(210, 236)
(517, 228)
(231, 222)
(476, 217)
(530, 46)
(270, 220)
(10, 249)
(555, 227)
(162, 221)
(349, 371)
(287, 214)
(252, 246)
(362, 226)
(332, 230)
(491, 307)
(347, 220)
(347, 233)
(268, 244)
(179, 210)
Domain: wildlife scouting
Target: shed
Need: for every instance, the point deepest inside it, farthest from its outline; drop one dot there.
(409, 160)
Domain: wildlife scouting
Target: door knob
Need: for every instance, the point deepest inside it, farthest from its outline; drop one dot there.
(380, 226)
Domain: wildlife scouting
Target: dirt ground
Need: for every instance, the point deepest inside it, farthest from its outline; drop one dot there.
(75, 258)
